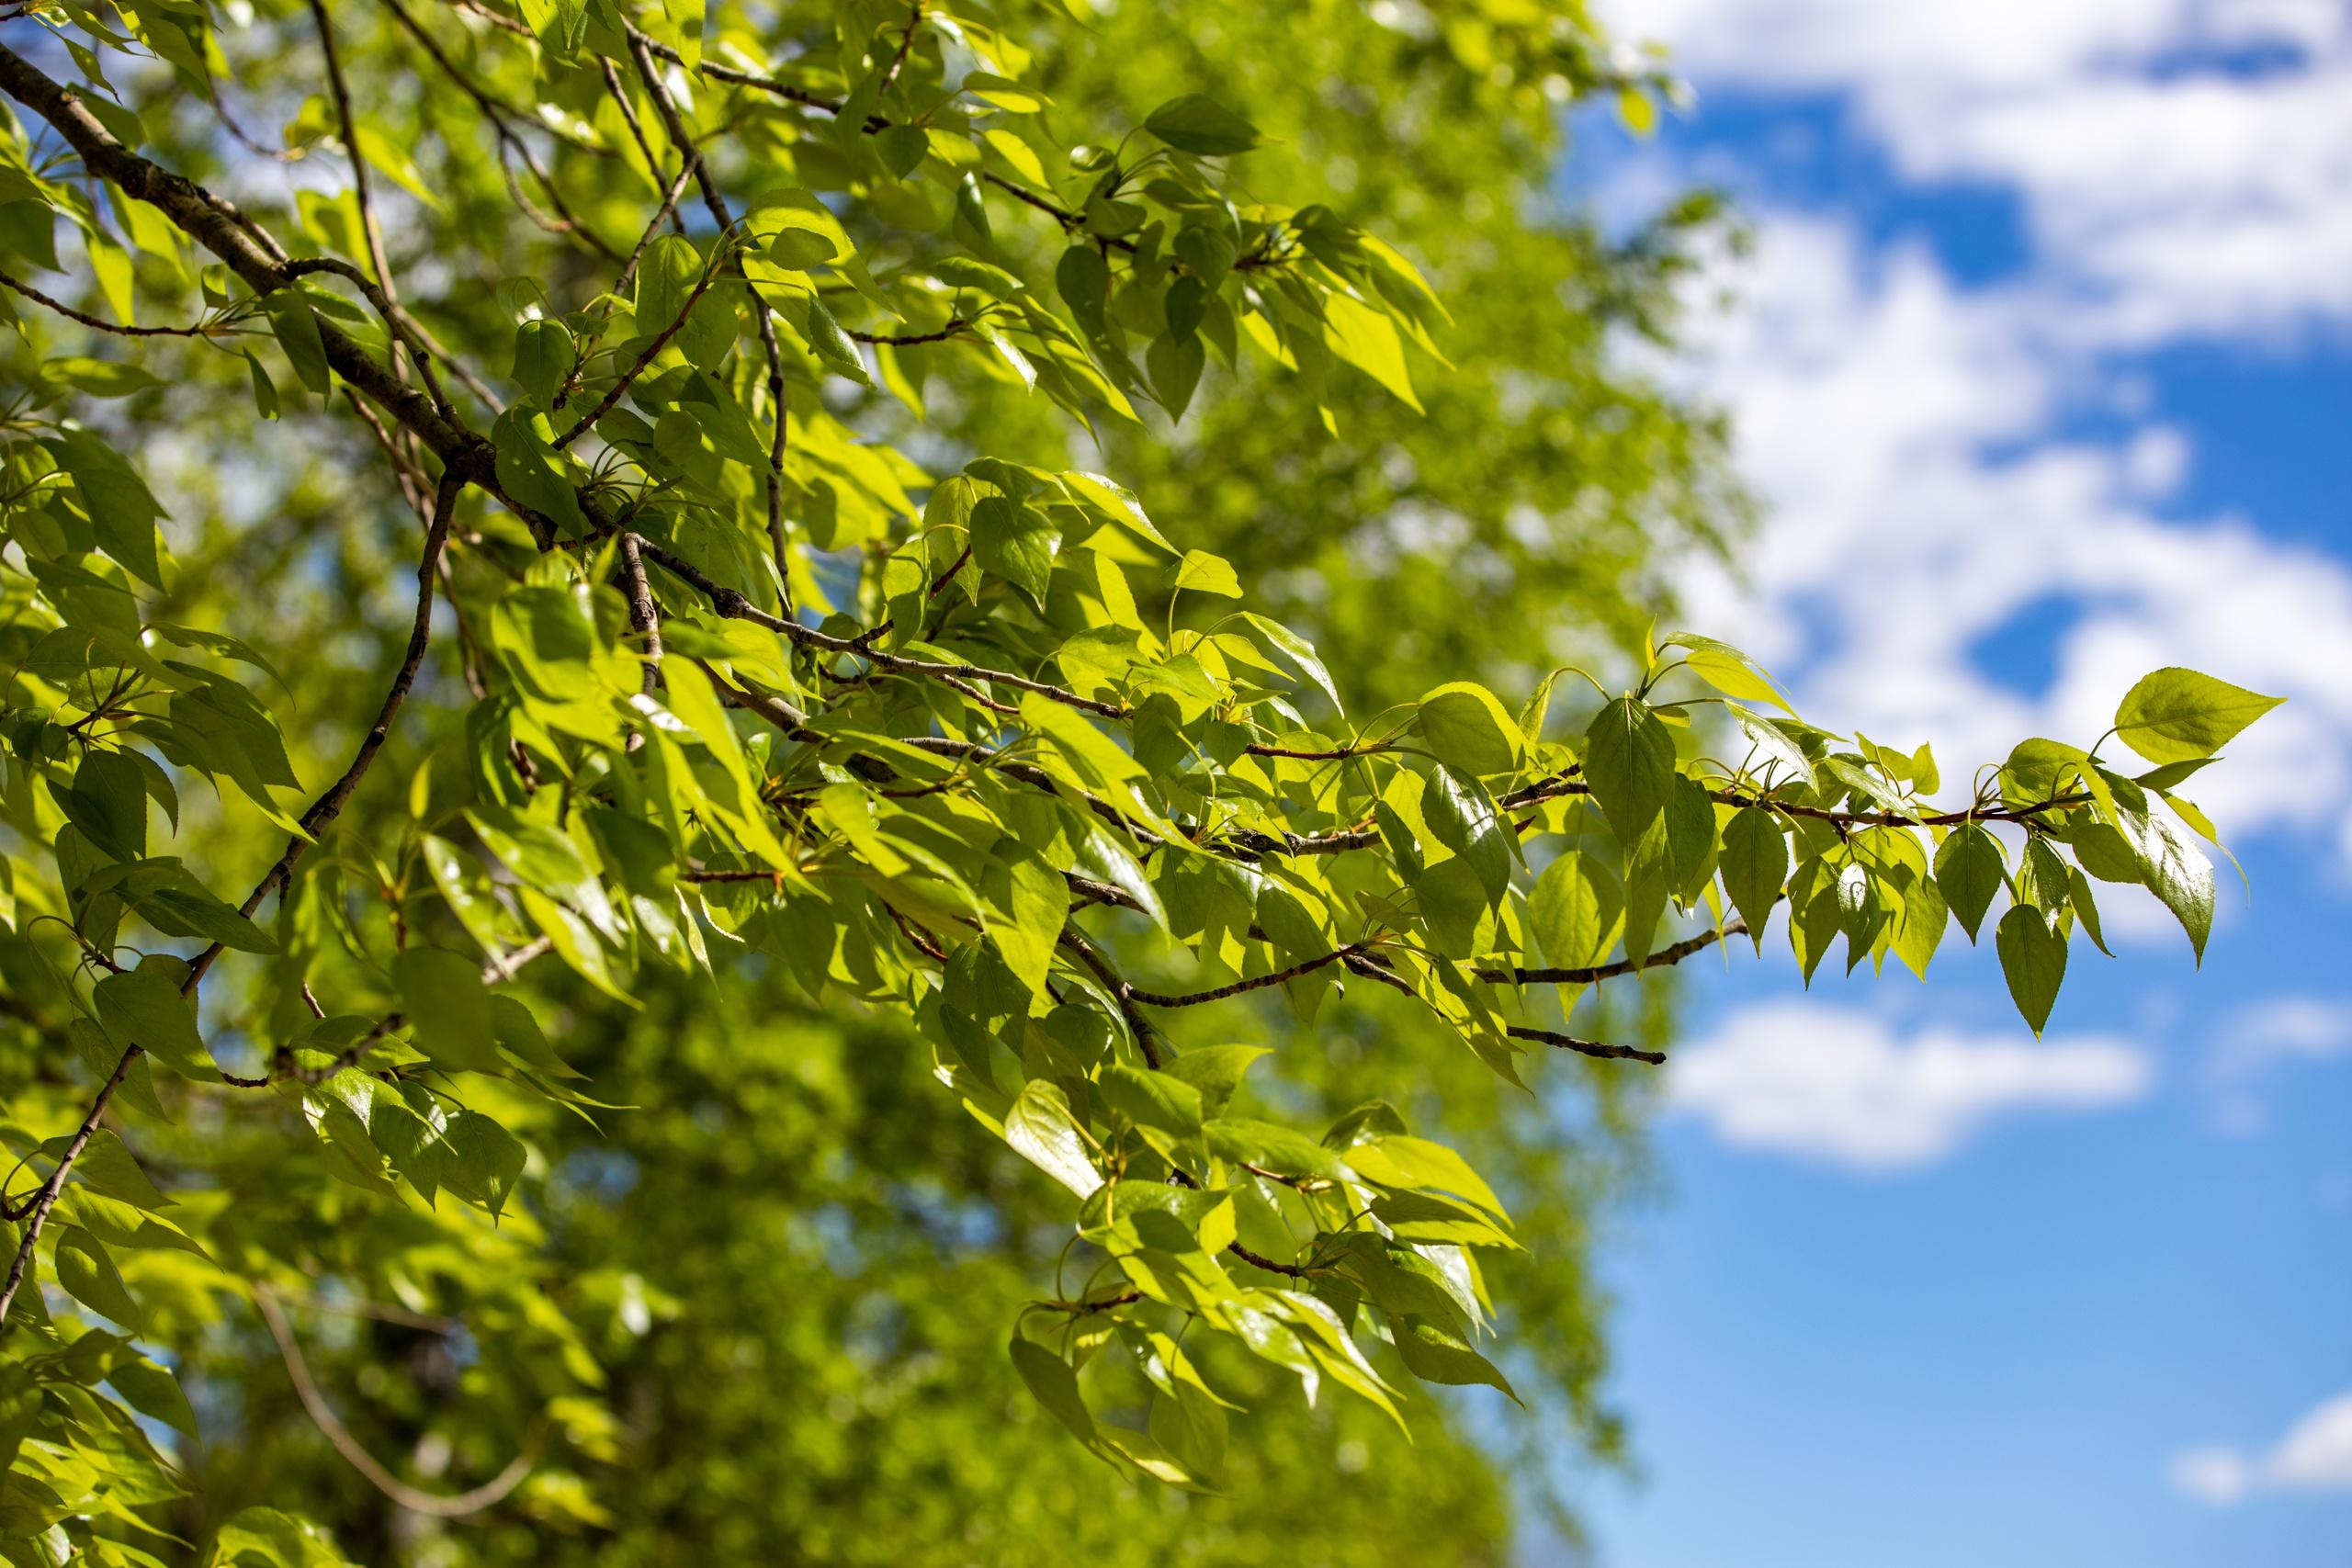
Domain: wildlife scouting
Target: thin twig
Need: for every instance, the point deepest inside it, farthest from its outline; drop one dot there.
(1588, 1047)
(329, 804)
(432, 1503)
(674, 122)
(652, 352)
(204, 329)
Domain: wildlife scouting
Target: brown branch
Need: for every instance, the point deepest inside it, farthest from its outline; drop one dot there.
(1662, 957)
(666, 212)
(906, 43)
(643, 615)
(284, 1069)
(956, 327)
(1588, 1047)
(641, 48)
(70, 313)
(363, 183)
(652, 352)
(645, 146)
(1072, 221)
(1334, 754)
(1344, 839)
(1121, 992)
(1269, 1265)
(248, 249)
(564, 222)
(497, 109)
(329, 804)
(420, 342)
(728, 602)
(1240, 988)
(432, 1503)
(46, 1198)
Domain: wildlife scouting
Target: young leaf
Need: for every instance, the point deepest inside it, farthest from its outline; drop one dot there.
(1469, 728)
(1755, 861)
(1576, 910)
(1629, 761)
(2179, 715)
(1968, 869)
(1039, 1125)
(2033, 961)
(1199, 124)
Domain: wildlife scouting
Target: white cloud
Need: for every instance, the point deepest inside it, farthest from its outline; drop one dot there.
(1902, 425)
(2315, 1455)
(2164, 194)
(1838, 1087)
(1897, 422)
(2282, 1028)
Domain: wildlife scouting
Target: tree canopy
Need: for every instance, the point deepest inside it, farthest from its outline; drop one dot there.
(738, 583)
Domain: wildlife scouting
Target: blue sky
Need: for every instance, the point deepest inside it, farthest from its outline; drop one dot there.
(2043, 360)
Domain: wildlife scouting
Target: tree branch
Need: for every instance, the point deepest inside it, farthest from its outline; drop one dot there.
(1661, 958)
(329, 804)
(1240, 988)
(251, 253)
(205, 330)
(432, 1503)
(762, 313)
(1588, 1047)
(652, 352)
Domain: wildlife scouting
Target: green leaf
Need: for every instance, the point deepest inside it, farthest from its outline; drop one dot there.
(1755, 862)
(107, 801)
(1205, 573)
(665, 281)
(544, 356)
(1463, 815)
(101, 377)
(484, 1160)
(1016, 542)
(1039, 1126)
(107, 1166)
(297, 326)
(2174, 870)
(2033, 961)
(1434, 1352)
(1968, 869)
(1629, 762)
(1216, 1071)
(2179, 715)
(902, 148)
(528, 471)
(1175, 361)
(186, 908)
(1197, 123)
(1419, 1165)
(1576, 910)
(143, 1007)
(1300, 652)
(1083, 280)
(89, 1276)
(1055, 1385)
(122, 509)
(1243, 1139)
(1369, 341)
(266, 1535)
(1151, 1098)
(155, 1393)
(448, 1006)
(1470, 729)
